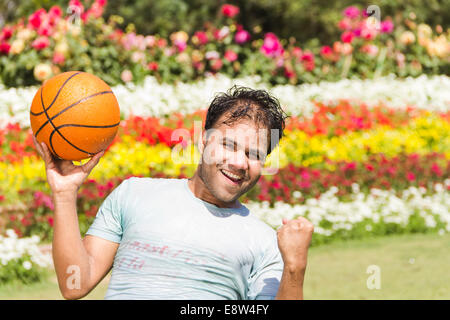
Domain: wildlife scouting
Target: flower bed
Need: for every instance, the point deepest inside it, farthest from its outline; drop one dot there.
(160, 100)
(46, 43)
(381, 212)
(339, 146)
(21, 259)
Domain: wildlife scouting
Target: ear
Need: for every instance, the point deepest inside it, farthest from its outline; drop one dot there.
(201, 143)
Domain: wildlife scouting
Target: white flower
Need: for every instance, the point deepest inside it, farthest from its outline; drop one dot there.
(155, 99)
(27, 265)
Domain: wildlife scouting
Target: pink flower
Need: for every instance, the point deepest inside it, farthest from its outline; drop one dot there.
(58, 58)
(76, 6)
(230, 55)
(347, 37)
(351, 12)
(326, 51)
(54, 14)
(242, 36)
(228, 10)
(4, 47)
(272, 46)
(36, 18)
(436, 169)
(392, 171)
(386, 26)
(180, 45)
(216, 64)
(101, 3)
(350, 166)
(345, 24)
(201, 37)
(45, 29)
(40, 43)
(370, 49)
(297, 52)
(410, 176)
(126, 76)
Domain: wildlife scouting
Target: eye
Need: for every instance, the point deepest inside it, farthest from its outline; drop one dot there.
(229, 146)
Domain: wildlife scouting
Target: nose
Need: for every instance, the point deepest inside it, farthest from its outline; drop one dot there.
(237, 161)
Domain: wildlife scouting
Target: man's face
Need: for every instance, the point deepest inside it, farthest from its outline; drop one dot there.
(232, 159)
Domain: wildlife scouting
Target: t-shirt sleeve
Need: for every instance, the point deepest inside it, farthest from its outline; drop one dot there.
(265, 278)
(108, 223)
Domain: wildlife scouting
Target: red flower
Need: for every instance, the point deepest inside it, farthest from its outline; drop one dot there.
(6, 33)
(41, 43)
(289, 73)
(36, 18)
(436, 169)
(153, 66)
(4, 47)
(202, 37)
(410, 176)
(228, 10)
(50, 221)
(347, 37)
(326, 51)
(369, 167)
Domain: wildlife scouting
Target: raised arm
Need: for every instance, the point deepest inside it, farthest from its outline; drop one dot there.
(294, 238)
(80, 264)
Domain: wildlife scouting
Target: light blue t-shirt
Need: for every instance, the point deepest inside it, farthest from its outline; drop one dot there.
(174, 245)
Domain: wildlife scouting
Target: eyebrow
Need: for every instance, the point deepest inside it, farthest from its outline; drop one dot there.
(258, 152)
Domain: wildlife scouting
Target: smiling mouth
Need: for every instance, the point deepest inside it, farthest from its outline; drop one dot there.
(231, 177)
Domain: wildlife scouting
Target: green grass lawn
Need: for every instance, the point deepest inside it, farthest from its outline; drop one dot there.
(411, 267)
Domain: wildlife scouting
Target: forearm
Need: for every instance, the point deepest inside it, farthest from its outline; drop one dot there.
(69, 254)
(291, 285)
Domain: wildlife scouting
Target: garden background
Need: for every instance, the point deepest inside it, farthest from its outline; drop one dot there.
(366, 156)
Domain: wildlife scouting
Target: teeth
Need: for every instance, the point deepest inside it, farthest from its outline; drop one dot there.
(231, 175)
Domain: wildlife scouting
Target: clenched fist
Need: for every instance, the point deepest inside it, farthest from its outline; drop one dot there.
(294, 238)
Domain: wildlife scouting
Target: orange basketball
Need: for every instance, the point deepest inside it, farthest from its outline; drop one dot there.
(76, 114)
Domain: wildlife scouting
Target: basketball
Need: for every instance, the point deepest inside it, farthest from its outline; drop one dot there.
(75, 114)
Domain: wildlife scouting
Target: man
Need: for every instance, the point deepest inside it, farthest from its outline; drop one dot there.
(185, 238)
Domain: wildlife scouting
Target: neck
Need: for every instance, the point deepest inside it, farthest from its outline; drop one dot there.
(199, 189)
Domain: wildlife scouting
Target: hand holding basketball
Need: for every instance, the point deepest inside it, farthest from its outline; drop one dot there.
(62, 175)
(76, 114)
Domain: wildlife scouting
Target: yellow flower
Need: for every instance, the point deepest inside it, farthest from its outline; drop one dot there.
(424, 31)
(179, 36)
(42, 71)
(407, 38)
(17, 46)
(62, 47)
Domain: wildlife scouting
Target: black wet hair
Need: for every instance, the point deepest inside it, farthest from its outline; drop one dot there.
(258, 105)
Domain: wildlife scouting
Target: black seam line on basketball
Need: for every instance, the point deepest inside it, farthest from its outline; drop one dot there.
(51, 143)
(56, 96)
(77, 125)
(67, 108)
(46, 114)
